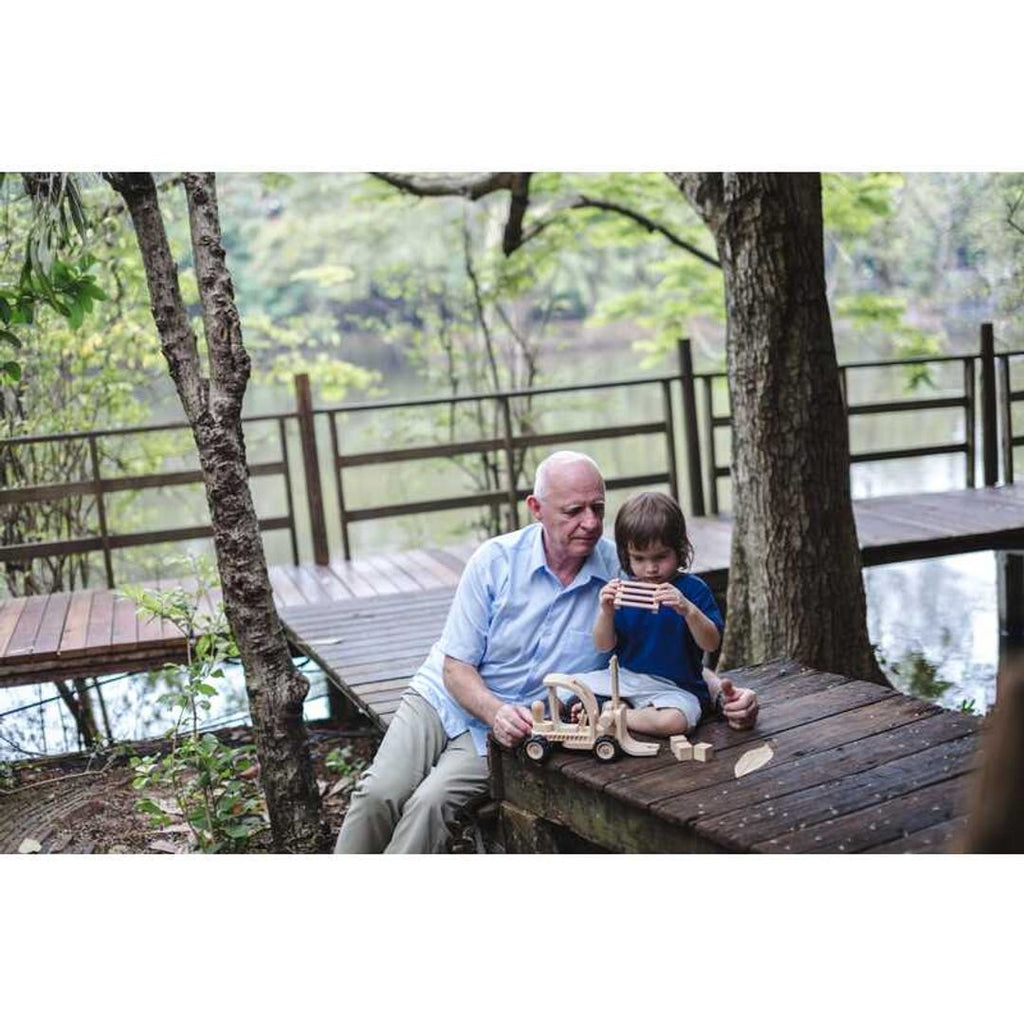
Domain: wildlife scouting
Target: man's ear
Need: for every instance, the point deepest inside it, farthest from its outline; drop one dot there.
(533, 504)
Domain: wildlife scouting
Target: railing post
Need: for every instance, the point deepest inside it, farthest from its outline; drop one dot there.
(989, 439)
(1007, 428)
(311, 466)
(690, 432)
(709, 415)
(970, 416)
(670, 439)
(101, 511)
(288, 496)
(510, 463)
(346, 547)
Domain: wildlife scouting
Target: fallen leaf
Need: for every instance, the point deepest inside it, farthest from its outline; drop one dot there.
(164, 846)
(342, 785)
(753, 759)
(30, 846)
(177, 828)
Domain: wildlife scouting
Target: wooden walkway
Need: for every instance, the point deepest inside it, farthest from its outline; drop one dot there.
(353, 619)
(856, 767)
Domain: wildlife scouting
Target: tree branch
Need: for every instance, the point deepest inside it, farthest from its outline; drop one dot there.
(470, 186)
(476, 186)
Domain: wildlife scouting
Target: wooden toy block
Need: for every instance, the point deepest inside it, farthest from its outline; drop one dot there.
(703, 752)
(679, 740)
(683, 753)
(634, 594)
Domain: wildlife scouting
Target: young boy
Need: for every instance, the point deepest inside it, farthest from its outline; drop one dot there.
(660, 652)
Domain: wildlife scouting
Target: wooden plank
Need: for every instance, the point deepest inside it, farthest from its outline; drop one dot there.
(47, 642)
(329, 583)
(819, 784)
(453, 558)
(101, 622)
(125, 633)
(22, 642)
(9, 615)
(76, 622)
(308, 585)
(389, 578)
(773, 719)
(773, 819)
(284, 588)
(148, 627)
(894, 819)
(438, 572)
(941, 838)
(673, 791)
(352, 578)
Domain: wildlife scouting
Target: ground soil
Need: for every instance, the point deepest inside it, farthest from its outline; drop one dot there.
(84, 803)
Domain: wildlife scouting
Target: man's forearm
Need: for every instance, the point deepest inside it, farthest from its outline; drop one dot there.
(466, 685)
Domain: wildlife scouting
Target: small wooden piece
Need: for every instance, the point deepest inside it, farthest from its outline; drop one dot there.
(703, 752)
(636, 594)
(681, 747)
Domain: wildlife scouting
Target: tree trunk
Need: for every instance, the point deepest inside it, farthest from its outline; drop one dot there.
(213, 406)
(795, 586)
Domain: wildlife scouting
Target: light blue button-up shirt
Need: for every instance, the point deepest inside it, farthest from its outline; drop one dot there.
(514, 621)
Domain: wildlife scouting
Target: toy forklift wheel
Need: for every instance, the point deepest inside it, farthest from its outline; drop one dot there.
(537, 749)
(606, 749)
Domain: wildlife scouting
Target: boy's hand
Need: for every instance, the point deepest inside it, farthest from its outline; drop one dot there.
(608, 594)
(739, 706)
(669, 596)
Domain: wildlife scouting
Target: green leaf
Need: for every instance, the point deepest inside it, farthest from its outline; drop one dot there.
(12, 371)
(10, 337)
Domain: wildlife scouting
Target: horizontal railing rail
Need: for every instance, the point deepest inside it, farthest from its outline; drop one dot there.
(657, 419)
(98, 486)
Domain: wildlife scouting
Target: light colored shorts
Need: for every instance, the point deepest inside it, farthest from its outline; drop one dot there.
(640, 690)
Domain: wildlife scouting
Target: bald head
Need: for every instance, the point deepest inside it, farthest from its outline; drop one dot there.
(561, 466)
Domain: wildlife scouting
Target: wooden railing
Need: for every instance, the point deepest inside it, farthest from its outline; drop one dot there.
(1010, 441)
(99, 486)
(658, 397)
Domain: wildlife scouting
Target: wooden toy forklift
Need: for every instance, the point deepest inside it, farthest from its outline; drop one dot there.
(602, 731)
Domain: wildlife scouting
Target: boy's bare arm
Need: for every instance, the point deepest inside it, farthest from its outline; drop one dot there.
(604, 624)
(704, 631)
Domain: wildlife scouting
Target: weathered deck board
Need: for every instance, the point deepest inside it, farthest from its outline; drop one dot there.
(848, 773)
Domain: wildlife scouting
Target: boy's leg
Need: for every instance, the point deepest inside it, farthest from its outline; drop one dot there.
(412, 745)
(459, 775)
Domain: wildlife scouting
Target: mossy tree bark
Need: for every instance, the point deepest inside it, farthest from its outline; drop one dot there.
(795, 585)
(213, 406)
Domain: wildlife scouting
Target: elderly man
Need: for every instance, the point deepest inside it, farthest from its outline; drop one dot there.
(524, 607)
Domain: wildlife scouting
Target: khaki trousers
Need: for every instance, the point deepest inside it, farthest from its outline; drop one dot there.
(418, 780)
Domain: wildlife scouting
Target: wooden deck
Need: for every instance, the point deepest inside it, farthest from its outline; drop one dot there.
(343, 613)
(856, 768)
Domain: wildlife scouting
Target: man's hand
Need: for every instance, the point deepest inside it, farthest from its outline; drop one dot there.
(512, 723)
(740, 706)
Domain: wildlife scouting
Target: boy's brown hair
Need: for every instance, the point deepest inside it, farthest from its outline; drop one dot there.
(651, 518)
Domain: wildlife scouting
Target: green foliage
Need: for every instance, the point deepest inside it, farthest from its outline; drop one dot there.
(915, 675)
(50, 274)
(881, 320)
(967, 707)
(213, 785)
(343, 761)
(853, 204)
